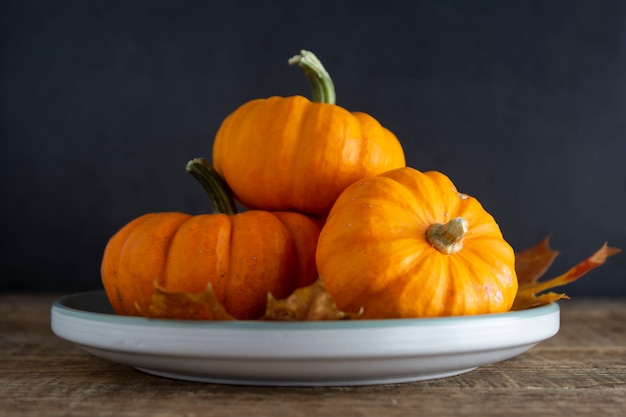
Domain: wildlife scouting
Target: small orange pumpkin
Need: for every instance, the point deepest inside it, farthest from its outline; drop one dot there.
(407, 244)
(244, 255)
(289, 153)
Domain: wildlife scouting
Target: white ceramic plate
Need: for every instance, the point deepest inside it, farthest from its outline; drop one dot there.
(360, 352)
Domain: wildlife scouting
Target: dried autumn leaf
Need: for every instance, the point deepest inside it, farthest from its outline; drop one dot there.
(309, 303)
(186, 306)
(305, 304)
(532, 263)
(314, 303)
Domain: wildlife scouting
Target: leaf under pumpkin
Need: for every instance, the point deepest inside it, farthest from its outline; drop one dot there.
(531, 264)
(308, 303)
(185, 306)
(313, 302)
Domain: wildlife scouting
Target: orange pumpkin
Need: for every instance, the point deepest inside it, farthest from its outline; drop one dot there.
(407, 244)
(290, 153)
(244, 256)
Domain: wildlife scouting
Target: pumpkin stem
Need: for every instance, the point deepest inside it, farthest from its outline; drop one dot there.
(217, 189)
(448, 238)
(321, 83)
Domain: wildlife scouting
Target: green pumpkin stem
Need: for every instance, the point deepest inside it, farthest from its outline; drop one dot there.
(217, 189)
(448, 238)
(321, 83)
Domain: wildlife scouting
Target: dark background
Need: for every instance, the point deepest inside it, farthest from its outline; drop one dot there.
(521, 103)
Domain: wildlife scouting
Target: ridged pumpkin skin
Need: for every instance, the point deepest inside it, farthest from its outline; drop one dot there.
(373, 251)
(244, 256)
(289, 153)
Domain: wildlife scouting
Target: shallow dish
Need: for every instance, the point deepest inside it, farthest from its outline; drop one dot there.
(360, 352)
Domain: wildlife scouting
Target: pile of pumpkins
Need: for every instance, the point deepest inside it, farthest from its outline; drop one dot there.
(328, 196)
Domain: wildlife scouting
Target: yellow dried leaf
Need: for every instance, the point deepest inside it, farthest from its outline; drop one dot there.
(309, 303)
(186, 306)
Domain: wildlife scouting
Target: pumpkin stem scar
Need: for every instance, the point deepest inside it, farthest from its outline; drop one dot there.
(321, 83)
(448, 238)
(216, 188)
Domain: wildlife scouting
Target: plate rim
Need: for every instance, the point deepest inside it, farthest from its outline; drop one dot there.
(59, 306)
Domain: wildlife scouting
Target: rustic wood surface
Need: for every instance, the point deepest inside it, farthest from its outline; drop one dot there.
(579, 372)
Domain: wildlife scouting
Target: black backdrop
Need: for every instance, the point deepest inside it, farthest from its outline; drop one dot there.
(521, 103)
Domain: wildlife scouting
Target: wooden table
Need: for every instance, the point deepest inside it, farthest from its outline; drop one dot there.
(581, 371)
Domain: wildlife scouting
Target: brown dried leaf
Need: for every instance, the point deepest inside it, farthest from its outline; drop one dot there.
(304, 304)
(309, 303)
(185, 306)
(534, 262)
(531, 264)
(314, 303)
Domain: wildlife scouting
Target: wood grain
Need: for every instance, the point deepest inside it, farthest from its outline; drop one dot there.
(579, 372)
